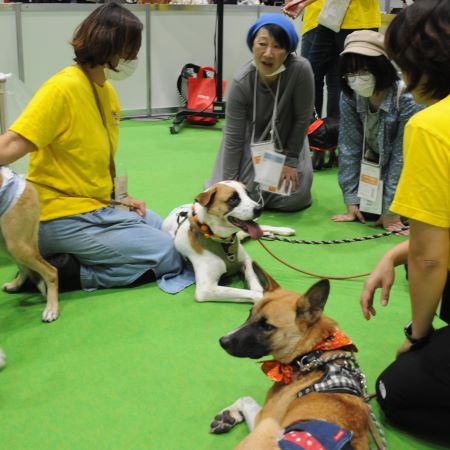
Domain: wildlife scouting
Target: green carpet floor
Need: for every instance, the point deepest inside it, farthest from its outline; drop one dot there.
(141, 369)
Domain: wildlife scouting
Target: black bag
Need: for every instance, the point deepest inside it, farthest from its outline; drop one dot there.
(323, 139)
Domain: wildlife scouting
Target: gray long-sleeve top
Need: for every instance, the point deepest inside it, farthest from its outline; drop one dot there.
(295, 106)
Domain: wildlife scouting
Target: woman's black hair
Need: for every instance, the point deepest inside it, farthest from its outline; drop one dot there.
(108, 33)
(279, 35)
(383, 70)
(418, 40)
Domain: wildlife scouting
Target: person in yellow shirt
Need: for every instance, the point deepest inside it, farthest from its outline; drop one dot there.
(414, 391)
(70, 128)
(329, 43)
(309, 28)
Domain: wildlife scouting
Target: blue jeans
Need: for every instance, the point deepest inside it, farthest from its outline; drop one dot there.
(113, 246)
(324, 55)
(331, 77)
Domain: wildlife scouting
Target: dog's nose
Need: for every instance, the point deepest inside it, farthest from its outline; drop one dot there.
(225, 342)
(257, 210)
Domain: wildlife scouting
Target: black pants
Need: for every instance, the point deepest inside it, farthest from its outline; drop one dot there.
(414, 391)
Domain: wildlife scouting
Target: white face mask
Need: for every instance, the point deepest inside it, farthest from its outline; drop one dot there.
(280, 69)
(122, 71)
(363, 85)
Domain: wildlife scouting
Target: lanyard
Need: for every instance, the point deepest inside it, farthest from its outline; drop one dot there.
(274, 113)
(112, 166)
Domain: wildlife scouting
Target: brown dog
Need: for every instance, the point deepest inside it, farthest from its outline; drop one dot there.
(319, 390)
(19, 225)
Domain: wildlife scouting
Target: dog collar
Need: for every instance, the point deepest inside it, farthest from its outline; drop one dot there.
(278, 371)
(205, 230)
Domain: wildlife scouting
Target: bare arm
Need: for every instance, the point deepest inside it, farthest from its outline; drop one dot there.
(13, 147)
(383, 276)
(295, 7)
(428, 269)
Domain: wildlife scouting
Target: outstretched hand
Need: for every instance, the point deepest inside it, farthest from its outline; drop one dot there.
(392, 222)
(353, 213)
(383, 277)
(295, 7)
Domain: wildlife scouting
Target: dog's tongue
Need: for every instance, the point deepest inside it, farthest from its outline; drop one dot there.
(254, 230)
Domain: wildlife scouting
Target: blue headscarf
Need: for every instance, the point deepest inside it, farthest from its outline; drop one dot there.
(274, 19)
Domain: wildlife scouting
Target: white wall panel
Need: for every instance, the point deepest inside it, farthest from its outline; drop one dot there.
(8, 39)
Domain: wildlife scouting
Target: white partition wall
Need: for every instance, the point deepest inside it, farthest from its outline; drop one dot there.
(8, 38)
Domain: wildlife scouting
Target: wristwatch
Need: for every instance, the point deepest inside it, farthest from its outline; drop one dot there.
(408, 334)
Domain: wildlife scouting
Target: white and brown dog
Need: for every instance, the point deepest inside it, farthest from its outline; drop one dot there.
(206, 233)
(19, 224)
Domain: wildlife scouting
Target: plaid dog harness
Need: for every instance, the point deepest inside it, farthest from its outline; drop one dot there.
(337, 378)
(11, 189)
(315, 435)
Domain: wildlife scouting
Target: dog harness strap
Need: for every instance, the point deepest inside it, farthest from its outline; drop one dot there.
(226, 251)
(338, 378)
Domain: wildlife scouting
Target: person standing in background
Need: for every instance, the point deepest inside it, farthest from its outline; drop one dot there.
(336, 21)
(309, 28)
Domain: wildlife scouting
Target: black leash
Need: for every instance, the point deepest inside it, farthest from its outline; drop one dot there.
(335, 241)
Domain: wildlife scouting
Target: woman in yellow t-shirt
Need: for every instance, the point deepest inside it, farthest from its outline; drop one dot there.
(70, 128)
(414, 391)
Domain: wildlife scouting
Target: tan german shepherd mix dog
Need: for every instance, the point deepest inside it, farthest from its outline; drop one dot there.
(19, 226)
(317, 399)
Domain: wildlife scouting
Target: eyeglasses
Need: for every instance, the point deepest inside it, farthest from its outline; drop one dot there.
(364, 75)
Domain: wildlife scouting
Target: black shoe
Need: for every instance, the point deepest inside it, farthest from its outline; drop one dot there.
(146, 277)
(68, 271)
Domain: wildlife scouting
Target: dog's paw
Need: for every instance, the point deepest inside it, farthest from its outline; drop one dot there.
(284, 231)
(2, 359)
(225, 421)
(11, 287)
(49, 315)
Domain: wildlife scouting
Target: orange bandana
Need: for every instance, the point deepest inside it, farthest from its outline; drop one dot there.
(278, 371)
(335, 341)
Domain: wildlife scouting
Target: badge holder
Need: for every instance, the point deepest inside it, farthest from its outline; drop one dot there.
(267, 162)
(370, 188)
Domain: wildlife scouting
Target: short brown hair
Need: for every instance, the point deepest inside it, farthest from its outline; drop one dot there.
(418, 41)
(109, 32)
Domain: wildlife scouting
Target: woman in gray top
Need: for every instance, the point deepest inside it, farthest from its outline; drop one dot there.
(270, 98)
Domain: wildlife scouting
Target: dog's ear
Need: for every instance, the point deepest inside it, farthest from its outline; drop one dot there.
(267, 282)
(206, 198)
(317, 294)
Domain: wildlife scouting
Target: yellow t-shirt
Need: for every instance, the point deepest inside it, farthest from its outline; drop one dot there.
(73, 152)
(423, 192)
(360, 14)
(310, 15)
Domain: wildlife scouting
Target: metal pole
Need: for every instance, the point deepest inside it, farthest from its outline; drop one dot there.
(2, 106)
(19, 38)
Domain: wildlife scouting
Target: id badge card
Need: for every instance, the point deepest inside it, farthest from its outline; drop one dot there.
(373, 207)
(369, 182)
(121, 191)
(257, 154)
(270, 168)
